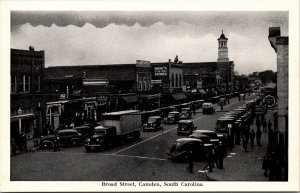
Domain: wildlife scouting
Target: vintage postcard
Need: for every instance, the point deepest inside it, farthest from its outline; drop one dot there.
(150, 96)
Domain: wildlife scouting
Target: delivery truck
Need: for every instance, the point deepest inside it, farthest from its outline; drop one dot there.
(116, 128)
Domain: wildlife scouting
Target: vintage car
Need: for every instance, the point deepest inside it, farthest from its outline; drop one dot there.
(173, 117)
(199, 132)
(178, 150)
(153, 124)
(208, 108)
(222, 123)
(70, 137)
(49, 142)
(186, 127)
(85, 130)
(186, 113)
(103, 137)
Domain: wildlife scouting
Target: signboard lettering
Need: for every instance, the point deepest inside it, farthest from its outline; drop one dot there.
(161, 71)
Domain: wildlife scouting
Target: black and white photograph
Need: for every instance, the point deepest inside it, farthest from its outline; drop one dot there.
(139, 99)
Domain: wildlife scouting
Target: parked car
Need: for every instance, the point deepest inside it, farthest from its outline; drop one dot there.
(186, 127)
(70, 137)
(173, 117)
(85, 130)
(178, 150)
(209, 133)
(186, 113)
(222, 123)
(208, 108)
(49, 142)
(153, 124)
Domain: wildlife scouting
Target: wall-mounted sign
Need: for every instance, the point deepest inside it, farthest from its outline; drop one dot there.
(160, 71)
(142, 63)
(156, 81)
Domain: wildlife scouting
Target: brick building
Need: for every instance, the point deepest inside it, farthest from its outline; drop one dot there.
(214, 76)
(27, 104)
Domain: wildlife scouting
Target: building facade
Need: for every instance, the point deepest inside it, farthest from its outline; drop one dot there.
(281, 46)
(214, 76)
(27, 101)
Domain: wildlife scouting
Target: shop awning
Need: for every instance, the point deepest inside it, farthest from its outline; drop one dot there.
(179, 96)
(130, 99)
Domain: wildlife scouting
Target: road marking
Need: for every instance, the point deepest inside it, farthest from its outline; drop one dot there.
(153, 137)
(104, 154)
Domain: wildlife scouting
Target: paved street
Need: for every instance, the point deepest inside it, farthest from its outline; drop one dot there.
(139, 160)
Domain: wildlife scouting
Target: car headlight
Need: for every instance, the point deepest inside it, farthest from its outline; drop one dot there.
(97, 139)
(88, 139)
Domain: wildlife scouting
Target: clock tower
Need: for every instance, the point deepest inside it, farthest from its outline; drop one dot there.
(223, 49)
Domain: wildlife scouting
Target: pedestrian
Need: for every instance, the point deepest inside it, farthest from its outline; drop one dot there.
(258, 123)
(230, 135)
(269, 125)
(220, 155)
(252, 137)
(258, 136)
(24, 141)
(210, 159)
(245, 143)
(267, 162)
(189, 158)
(264, 124)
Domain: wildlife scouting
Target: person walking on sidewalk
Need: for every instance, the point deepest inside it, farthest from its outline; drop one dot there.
(252, 137)
(220, 155)
(264, 124)
(258, 136)
(258, 123)
(211, 158)
(189, 157)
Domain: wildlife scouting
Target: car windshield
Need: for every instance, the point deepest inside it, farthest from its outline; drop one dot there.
(100, 131)
(183, 124)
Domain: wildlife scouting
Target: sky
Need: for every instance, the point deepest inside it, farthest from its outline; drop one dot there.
(121, 37)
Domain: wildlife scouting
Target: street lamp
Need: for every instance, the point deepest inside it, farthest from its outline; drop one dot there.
(20, 122)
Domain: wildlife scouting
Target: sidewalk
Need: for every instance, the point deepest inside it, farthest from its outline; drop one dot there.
(244, 166)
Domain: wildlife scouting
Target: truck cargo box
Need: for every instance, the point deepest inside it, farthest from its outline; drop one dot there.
(124, 121)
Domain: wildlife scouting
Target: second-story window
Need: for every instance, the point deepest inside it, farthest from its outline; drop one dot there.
(176, 80)
(38, 83)
(13, 84)
(172, 80)
(25, 83)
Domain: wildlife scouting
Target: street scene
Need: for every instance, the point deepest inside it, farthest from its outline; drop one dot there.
(148, 96)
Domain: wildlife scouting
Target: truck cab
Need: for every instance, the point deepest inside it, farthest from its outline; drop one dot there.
(103, 136)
